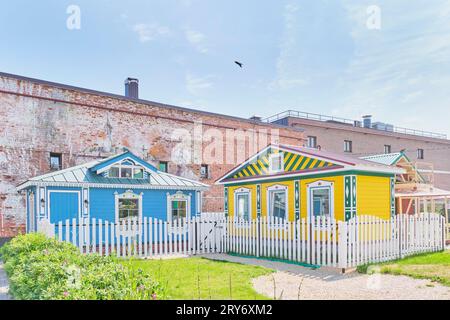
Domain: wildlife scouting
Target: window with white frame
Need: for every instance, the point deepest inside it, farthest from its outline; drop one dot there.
(312, 142)
(242, 204)
(420, 154)
(277, 202)
(128, 206)
(387, 149)
(204, 171)
(321, 199)
(348, 146)
(178, 207)
(276, 162)
(55, 161)
(126, 169)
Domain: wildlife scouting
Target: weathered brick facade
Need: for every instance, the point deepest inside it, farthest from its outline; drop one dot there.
(38, 118)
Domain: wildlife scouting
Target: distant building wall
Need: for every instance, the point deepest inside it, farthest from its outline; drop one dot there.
(38, 118)
(331, 137)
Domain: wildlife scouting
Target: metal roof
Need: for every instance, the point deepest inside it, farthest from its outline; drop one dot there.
(82, 175)
(358, 163)
(388, 159)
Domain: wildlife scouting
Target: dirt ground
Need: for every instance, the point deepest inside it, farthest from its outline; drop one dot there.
(293, 282)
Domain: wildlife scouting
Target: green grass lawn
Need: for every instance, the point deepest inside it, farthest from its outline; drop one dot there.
(199, 278)
(433, 266)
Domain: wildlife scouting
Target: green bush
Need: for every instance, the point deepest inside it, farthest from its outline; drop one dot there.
(45, 269)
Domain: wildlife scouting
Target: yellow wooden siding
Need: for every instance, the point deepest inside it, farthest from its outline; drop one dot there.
(373, 196)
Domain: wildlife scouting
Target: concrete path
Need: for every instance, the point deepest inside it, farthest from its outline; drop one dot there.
(293, 282)
(3, 284)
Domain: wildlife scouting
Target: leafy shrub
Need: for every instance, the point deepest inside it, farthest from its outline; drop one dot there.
(45, 269)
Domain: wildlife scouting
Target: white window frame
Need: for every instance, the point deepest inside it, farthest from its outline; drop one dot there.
(420, 154)
(129, 194)
(350, 144)
(314, 138)
(179, 196)
(271, 158)
(318, 185)
(206, 175)
(126, 166)
(271, 189)
(243, 191)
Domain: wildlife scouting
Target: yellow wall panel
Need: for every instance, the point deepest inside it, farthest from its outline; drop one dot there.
(373, 196)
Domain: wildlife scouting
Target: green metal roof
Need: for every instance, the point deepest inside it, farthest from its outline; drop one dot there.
(83, 175)
(388, 159)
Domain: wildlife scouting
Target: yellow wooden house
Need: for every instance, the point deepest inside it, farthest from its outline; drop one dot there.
(297, 182)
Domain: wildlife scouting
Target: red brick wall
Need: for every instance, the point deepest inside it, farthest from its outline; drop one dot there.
(39, 118)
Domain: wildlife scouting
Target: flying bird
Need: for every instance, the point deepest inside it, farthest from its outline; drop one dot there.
(239, 64)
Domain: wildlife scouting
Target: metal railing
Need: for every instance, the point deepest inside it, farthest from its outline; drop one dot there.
(354, 123)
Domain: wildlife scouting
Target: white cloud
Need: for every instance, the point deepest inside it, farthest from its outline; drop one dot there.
(149, 32)
(399, 70)
(287, 69)
(196, 85)
(197, 40)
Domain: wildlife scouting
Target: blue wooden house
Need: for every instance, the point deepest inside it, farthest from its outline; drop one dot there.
(113, 189)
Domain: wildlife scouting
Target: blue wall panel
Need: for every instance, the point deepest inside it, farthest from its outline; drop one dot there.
(154, 203)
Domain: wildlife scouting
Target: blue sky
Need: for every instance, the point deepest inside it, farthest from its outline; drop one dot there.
(316, 56)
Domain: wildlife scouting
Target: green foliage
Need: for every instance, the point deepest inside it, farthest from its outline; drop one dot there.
(432, 266)
(204, 279)
(45, 269)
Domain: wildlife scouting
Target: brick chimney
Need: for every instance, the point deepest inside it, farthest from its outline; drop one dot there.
(132, 88)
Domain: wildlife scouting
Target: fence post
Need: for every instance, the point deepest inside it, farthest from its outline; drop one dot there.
(444, 231)
(342, 245)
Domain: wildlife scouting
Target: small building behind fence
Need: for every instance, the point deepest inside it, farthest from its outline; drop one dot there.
(120, 188)
(291, 183)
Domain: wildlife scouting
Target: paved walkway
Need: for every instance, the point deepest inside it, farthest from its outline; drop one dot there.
(3, 284)
(293, 282)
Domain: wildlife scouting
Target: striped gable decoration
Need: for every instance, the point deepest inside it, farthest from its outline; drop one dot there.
(292, 162)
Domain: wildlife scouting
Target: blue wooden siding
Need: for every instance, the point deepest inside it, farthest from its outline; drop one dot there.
(154, 203)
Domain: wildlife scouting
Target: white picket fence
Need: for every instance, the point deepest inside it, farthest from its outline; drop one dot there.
(366, 239)
(318, 241)
(326, 242)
